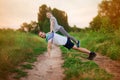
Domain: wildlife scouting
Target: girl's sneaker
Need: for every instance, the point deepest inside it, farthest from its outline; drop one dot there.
(78, 44)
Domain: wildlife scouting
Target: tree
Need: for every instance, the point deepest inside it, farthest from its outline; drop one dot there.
(25, 27)
(108, 15)
(75, 29)
(42, 13)
(30, 27)
(43, 21)
(61, 17)
(110, 9)
(96, 23)
(34, 27)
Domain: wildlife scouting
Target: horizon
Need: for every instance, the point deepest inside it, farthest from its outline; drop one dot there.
(14, 13)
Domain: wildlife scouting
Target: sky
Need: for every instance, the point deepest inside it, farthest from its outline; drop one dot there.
(14, 12)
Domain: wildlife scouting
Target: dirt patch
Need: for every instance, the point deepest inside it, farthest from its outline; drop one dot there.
(47, 68)
(109, 65)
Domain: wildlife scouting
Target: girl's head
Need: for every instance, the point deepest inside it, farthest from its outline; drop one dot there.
(48, 14)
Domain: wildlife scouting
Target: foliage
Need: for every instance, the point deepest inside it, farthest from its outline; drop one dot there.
(43, 22)
(75, 29)
(61, 17)
(108, 15)
(30, 27)
(110, 8)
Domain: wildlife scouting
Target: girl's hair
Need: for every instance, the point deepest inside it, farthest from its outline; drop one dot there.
(49, 12)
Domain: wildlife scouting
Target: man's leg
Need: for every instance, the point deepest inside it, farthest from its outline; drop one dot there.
(84, 50)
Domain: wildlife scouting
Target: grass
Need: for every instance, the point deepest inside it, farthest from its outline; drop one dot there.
(102, 41)
(106, 43)
(17, 47)
(27, 66)
(77, 68)
(32, 60)
(19, 73)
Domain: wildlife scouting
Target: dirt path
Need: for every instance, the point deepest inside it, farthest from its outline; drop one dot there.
(109, 65)
(47, 68)
(50, 68)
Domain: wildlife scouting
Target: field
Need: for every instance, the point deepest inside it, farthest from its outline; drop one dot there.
(17, 47)
(103, 42)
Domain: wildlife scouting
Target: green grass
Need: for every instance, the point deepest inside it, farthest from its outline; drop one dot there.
(20, 73)
(27, 66)
(102, 41)
(17, 47)
(106, 43)
(77, 68)
(32, 60)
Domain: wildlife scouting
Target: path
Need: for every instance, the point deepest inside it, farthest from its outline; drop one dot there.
(109, 65)
(47, 68)
(50, 68)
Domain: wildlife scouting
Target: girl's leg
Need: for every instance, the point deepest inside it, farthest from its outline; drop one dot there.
(63, 31)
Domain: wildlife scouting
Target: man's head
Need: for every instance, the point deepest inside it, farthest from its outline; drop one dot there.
(42, 34)
(48, 14)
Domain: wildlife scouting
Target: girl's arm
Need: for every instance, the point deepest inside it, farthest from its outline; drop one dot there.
(51, 25)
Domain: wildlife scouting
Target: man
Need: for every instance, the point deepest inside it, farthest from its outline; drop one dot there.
(54, 38)
(55, 27)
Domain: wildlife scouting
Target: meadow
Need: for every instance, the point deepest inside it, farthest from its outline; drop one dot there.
(77, 67)
(18, 47)
(102, 41)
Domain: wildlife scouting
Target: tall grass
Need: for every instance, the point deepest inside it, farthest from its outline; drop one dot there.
(102, 41)
(17, 47)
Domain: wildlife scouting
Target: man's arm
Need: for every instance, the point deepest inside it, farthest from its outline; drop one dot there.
(51, 25)
(49, 47)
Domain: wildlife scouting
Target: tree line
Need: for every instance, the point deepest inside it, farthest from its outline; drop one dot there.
(108, 16)
(43, 22)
